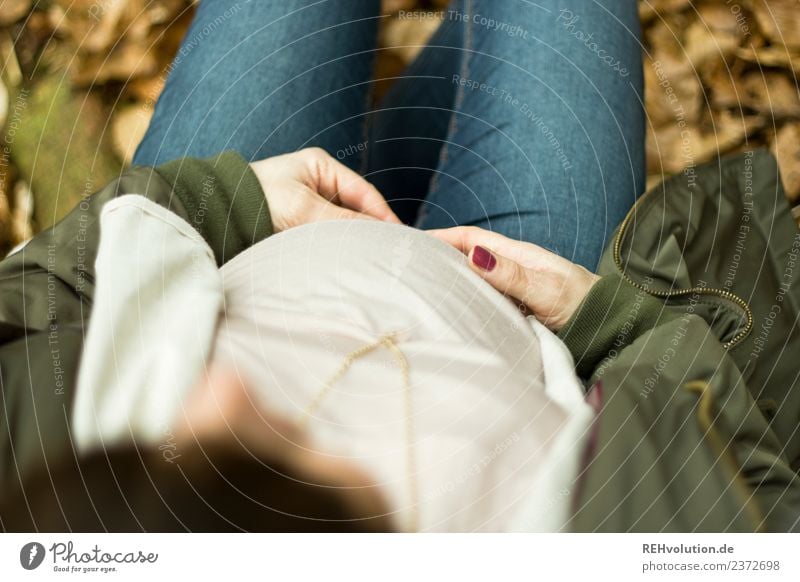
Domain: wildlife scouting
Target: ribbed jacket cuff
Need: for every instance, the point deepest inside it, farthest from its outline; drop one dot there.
(613, 315)
(223, 201)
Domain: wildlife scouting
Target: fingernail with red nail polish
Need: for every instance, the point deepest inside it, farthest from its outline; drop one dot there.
(483, 259)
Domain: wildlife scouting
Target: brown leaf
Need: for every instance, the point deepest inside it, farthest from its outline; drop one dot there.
(664, 40)
(13, 10)
(649, 10)
(786, 148)
(713, 36)
(728, 129)
(3, 103)
(771, 93)
(146, 89)
(724, 84)
(671, 96)
(392, 6)
(91, 24)
(12, 73)
(770, 56)
(778, 20)
(128, 129)
(724, 18)
(663, 147)
(117, 40)
(407, 36)
(5, 208)
(22, 215)
(125, 62)
(165, 11)
(674, 147)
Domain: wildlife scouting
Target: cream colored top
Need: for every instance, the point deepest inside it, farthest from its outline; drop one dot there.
(483, 424)
(498, 416)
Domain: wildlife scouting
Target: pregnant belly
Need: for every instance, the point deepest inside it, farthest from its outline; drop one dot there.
(378, 277)
(298, 303)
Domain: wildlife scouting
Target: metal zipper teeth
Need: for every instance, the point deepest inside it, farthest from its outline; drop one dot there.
(669, 294)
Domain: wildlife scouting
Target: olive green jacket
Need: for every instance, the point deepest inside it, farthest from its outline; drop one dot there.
(686, 342)
(691, 345)
(46, 292)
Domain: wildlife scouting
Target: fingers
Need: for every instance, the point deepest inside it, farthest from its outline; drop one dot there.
(548, 285)
(455, 237)
(341, 185)
(504, 274)
(324, 210)
(464, 238)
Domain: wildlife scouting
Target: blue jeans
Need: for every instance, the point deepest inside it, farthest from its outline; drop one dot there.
(521, 117)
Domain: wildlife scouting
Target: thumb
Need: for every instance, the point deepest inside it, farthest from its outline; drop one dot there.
(505, 275)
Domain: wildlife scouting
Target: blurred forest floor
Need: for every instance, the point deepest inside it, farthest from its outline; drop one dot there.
(79, 79)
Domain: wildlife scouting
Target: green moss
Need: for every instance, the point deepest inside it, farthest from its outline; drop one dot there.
(60, 142)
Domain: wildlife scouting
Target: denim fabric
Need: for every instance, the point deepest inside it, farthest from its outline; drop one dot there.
(265, 78)
(522, 117)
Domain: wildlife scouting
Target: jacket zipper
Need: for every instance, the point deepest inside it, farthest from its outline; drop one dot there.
(680, 292)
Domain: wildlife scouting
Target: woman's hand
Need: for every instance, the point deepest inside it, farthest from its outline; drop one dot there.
(311, 186)
(550, 286)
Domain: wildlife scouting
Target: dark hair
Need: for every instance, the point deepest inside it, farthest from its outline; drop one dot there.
(216, 487)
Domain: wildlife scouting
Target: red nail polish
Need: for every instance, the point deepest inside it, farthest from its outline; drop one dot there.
(483, 259)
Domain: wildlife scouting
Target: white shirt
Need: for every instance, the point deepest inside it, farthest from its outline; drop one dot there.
(497, 434)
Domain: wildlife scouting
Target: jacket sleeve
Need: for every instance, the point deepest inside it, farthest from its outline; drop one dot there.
(52, 277)
(680, 444)
(47, 287)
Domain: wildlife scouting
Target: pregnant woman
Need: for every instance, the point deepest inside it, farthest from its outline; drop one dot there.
(402, 318)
